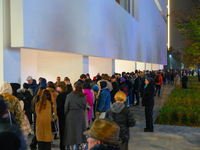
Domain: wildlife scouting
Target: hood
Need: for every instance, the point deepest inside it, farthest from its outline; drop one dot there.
(43, 82)
(6, 88)
(117, 107)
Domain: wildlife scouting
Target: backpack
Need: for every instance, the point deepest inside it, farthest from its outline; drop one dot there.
(157, 79)
(125, 90)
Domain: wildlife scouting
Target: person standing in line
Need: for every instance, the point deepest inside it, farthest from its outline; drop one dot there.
(123, 117)
(159, 82)
(104, 99)
(43, 122)
(69, 85)
(136, 88)
(89, 101)
(74, 111)
(35, 100)
(148, 102)
(115, 88)
(184, 81)
(14, 105)
(62, 88)
(32, 84)
(177, 81)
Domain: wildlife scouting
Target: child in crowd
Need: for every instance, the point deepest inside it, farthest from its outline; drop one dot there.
(122, 116)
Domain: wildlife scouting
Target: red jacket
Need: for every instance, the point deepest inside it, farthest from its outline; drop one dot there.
(160, 79)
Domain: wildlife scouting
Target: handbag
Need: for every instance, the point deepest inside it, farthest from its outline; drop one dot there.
(53, 122)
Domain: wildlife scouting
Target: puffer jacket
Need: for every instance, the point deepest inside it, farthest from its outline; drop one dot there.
(123, 117)
(104, 99)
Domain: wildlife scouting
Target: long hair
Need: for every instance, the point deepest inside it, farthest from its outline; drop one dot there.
(62, 85)
(79, 89)
(40, 91)
(46, 95)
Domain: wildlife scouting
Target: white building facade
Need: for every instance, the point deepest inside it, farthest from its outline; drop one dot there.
(67, 38)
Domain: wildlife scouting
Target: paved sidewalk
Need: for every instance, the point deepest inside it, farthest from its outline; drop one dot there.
(164, 137)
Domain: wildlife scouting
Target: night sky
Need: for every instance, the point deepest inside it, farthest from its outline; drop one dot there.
(175, 34)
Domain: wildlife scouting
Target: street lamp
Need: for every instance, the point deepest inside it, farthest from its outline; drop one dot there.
(170, 56)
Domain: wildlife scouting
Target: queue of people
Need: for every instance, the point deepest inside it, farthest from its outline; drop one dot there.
(74, 109)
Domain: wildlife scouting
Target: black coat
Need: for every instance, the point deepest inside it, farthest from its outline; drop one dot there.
(148, 95)
(114, 91)
(184, 82)
(137, 84)
(124, 120)
(60, 100)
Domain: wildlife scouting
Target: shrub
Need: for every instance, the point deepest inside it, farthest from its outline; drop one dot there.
(182, 107)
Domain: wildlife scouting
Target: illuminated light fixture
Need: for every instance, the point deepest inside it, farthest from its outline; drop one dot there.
(168, 24)
(170, 56)
(160, 9)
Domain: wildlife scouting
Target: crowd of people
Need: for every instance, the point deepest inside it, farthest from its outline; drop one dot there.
(83, 106)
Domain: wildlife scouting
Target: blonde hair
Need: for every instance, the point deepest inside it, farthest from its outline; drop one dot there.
(120, 96)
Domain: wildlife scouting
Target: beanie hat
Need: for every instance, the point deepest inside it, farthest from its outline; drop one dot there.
(123, 79)
(86, 85)
(95, 88)
(26, 86)
(103, 84)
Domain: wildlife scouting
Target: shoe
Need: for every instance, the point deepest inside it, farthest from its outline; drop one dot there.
(53, 145)
(146, 130)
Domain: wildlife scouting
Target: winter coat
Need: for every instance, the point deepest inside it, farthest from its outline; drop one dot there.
(43, 123)
(54, 95)
(27, 98)
(148, 95)
(177, 80)
(69, 88)
(14, 105)
(114, 91)
(60, 101)
(184, 82)
(43, 82)
(137, 84)
(89, 100)
(104, 99)
(109, 85)
(33, 86)
(75, 123)
(160, 80)
(123, 117)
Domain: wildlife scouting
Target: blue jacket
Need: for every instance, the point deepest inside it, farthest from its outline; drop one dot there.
(43, 82)
(104, 100)
(33, 86)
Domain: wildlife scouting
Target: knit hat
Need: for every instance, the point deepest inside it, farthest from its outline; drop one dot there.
(103, 84)
(95, 88)
(3, 106)
(123, 79)
(86, 85)
(29, 78)
(26, 86)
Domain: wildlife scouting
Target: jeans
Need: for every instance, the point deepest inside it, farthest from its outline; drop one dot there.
(127, 101)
